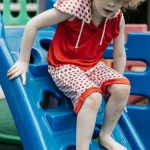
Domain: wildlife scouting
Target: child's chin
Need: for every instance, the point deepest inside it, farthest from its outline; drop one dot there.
(108, 14)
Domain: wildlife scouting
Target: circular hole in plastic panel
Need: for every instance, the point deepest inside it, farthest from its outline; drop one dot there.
(49, 101)
(35, 57)
(45, 43)
(72, 147)
(69, 145)
(15, 7)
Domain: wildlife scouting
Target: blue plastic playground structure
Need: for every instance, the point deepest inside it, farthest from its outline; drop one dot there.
(138, 49)
(53, 127)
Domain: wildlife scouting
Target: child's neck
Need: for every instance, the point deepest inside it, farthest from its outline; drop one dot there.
(96, 17)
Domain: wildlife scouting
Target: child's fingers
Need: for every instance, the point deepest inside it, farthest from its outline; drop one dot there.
(12, 71)
(15, 75)
(23, 78)
(12, 68)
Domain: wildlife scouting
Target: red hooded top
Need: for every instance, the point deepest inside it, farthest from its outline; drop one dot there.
(78, 41)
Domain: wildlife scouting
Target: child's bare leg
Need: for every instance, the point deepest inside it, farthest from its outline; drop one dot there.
(115, 106)
(86, 120)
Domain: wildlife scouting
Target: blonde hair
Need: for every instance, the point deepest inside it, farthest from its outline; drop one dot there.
(133, 4)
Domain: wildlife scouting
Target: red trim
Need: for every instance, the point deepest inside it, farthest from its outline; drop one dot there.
(114, 81)
(82, 98)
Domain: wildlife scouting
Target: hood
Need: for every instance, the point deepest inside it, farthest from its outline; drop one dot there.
(81, 9)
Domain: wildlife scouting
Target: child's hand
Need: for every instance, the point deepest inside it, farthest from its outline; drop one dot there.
(19, 68)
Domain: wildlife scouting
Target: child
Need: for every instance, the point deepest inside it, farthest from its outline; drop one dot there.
(85, 29)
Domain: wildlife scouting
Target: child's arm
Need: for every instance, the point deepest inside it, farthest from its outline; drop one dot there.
(119, 53)
(45, 19)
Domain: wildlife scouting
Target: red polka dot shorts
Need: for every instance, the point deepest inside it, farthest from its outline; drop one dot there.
(77, 84)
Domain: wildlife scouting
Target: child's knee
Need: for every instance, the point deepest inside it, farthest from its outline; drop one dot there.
(120, 91)
(93, 100)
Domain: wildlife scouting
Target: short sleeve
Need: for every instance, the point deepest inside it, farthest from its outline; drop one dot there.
(78, 8)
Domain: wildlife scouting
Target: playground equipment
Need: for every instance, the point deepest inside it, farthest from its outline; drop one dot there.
(21, 8)
(133, 66)
(135, 28)
(57, 108)
(41, 125)
(137, 48)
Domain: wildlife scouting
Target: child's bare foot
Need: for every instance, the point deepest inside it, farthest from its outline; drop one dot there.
(109, 143)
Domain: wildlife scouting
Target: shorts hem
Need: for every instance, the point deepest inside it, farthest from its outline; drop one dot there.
(114, 81)
(82, 98)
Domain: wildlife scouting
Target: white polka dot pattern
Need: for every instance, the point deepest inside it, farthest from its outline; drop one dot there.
(78, 8)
